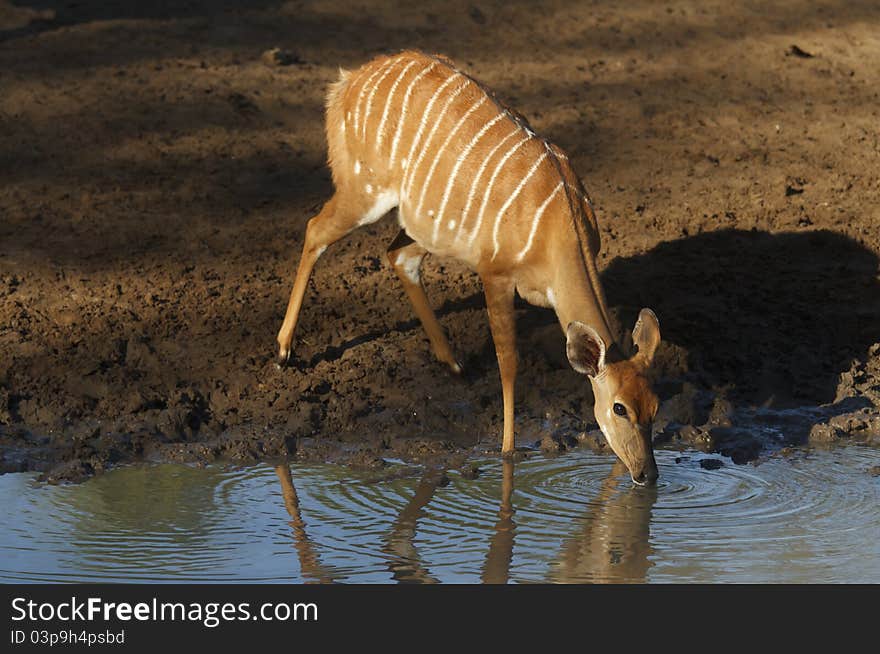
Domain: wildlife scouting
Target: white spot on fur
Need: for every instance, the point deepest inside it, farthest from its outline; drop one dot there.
(385, 202)
(430, 213)
(410, 267)
(551, 297)
(342, 127)
(451, 224)
(369, 189)
(357, 167)
(403, 164)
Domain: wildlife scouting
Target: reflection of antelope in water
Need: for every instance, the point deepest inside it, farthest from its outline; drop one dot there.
(496, 569)
(404, 563)
(309, 563)
(613, 544)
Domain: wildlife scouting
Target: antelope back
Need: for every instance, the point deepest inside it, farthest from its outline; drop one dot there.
(470, 178)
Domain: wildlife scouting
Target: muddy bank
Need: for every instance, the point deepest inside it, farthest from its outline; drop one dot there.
(157, 170)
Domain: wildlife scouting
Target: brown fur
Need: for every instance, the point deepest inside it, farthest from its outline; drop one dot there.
(470, 180)
(633, 383)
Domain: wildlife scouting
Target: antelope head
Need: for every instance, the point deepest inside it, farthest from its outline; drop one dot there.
(625, 402)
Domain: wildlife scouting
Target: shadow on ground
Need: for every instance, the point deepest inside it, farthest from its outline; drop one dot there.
(776, 316)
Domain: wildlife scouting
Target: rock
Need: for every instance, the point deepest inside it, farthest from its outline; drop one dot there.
(740, 444)
(13, 17)
(559, 441)
(74, 470)
(477, 15)
(470, 471)
(550, 445)
(799, 52)
(279, 57)
(862, 426)
(5, 415)
(688, 407)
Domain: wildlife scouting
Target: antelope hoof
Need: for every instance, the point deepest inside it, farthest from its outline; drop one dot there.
(447, 357)
(283, 358)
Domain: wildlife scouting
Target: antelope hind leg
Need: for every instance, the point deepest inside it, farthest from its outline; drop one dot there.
(405, 256)
(335, 220)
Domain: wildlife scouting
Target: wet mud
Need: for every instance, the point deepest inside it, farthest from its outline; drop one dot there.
(158, 165)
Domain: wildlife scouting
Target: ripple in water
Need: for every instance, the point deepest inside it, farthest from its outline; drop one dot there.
(575, 518)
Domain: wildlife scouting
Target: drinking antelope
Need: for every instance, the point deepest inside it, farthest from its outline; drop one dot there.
(471, 180)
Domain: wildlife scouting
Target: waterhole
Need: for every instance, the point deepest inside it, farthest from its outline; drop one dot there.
(812, 517)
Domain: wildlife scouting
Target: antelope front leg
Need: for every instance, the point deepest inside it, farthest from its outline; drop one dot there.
(502, 321)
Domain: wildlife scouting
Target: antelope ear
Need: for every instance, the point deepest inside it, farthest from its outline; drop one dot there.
(585, 349)
(646, 335)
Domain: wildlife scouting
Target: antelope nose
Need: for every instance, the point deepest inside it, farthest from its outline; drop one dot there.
(646, 477)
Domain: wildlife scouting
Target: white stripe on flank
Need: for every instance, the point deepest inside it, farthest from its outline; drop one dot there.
(473, 190)
(537, 219)
(381, 128)
(488, 192)
(402, 118)
(510, 200)
(371, 96)
(427, 181)
(424, 122)
(426, 145)
(357, 105)
(458, 162)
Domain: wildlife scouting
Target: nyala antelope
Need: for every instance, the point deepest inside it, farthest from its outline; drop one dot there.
(471, 180)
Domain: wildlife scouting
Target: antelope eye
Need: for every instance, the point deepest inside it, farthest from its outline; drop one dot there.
(619, 409)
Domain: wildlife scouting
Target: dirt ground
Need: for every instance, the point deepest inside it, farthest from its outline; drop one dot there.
(157, 173)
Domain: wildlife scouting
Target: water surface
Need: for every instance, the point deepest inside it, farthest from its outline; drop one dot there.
(814, 517)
